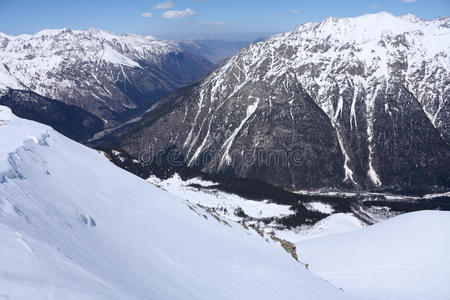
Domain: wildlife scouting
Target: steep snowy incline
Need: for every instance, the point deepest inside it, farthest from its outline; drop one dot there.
(104, 73)
(405, 257)
(74, 226)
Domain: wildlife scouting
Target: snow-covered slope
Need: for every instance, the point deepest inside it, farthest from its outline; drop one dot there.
(105, 73)
(367, 95)
(402, 258)
(74, 226)
(334, 224)
(355, 53)
(405, 257)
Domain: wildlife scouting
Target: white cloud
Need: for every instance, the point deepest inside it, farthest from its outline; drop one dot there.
(213, 23)
(293, 11)
(375, 5)
(164, 5)
(147, 15)
(408, 1)
(179, 14)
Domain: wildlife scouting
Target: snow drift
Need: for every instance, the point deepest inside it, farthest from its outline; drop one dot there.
(406, 257)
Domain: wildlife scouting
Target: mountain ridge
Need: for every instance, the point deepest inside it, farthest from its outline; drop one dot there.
(348, 77)
(112, 76)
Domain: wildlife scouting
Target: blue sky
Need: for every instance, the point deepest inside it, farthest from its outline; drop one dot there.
(231, 19)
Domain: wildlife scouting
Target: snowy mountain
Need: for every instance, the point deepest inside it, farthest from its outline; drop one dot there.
(74, 226)
(109, 75)
(357, 103)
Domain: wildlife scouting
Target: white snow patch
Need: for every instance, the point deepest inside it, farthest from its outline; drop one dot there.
(229, 142)
(322, 207)
(405, 257)
(334, 224)
(373, 175)
(347, 170)
(114, 57)
(7, 80)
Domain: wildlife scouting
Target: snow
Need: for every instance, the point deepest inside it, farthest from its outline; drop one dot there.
(229, 142)
(200, 104)
(322, 207)
(7, 80)
(337, 223)
(218, 200)
(114, 57)
(405, 257)
(429, 196)
(370, 116)
(372, 173)
(348, 171)
(37, 61)
(334, 224)
(74, 226)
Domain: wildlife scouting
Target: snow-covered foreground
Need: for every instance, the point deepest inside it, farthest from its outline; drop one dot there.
(74, 226)
(406, 257)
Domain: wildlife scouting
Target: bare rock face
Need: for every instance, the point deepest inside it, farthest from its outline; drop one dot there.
(111, 76)
(358, 103)
(264, 138)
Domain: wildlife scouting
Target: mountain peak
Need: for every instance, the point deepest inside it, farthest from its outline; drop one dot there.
(53, 32)
(412, 18)
(371, 26)
(106, 73)
(340, 71)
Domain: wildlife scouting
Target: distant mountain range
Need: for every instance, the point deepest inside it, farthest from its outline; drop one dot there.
(111, 76)
(354, 103)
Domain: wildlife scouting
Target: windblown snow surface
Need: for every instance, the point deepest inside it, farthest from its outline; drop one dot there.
(74, 226)
(406, 257)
